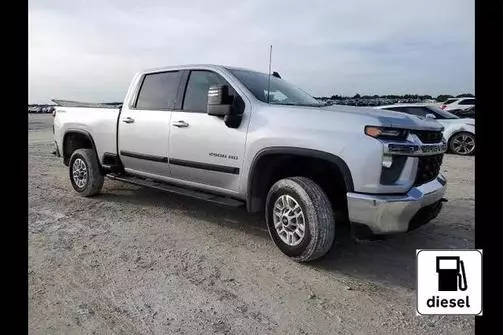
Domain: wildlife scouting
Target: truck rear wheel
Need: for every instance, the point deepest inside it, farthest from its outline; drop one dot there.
(85, 174)
(300, 218)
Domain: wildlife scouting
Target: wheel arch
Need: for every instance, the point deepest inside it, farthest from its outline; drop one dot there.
(459, 131)
(74, 139)
(262, 171)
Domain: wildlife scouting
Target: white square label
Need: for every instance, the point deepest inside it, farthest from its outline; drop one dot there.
(449, 281)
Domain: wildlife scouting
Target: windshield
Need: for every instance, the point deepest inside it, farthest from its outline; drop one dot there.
(281, 92)
(442, 113)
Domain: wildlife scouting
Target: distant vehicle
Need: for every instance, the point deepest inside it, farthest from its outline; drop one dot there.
(459, 133)
(239, 137)
(468, 113)
(458, 103)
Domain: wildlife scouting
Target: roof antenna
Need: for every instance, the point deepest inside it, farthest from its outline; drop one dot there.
(269, 73)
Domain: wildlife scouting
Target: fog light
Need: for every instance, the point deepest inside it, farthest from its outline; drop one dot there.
(387, 161)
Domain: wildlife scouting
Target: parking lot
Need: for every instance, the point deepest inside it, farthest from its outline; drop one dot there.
(138, 261)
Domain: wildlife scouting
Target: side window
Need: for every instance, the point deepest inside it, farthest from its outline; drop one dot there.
(467, 102)
(196, 94)
(158, 91)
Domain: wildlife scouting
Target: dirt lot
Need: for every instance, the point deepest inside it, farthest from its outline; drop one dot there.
(138, 261)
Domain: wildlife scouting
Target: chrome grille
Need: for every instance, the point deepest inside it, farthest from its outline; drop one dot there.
(428, 136)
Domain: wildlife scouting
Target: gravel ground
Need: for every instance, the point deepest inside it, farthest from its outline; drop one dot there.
(137, 261)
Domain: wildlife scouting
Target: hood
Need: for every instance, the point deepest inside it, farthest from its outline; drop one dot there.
(458, 121)
(467, 121)
(388, 118)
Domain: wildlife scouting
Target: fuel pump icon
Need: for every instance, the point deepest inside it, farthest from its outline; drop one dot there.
(451, 273)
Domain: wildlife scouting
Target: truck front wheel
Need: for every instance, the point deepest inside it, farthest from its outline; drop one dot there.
(85, 174)
(300, 218)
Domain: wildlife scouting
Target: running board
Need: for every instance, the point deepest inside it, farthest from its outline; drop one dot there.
(162, 186)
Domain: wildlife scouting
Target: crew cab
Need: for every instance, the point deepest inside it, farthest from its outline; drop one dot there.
(239, 137)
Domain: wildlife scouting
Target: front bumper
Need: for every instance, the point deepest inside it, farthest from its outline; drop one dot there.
(387, 214)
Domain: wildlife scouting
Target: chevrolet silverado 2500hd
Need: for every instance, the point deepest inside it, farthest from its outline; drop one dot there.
(239, 137)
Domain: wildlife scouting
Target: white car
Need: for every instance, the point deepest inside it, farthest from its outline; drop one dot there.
(460, 134)
(458, 103)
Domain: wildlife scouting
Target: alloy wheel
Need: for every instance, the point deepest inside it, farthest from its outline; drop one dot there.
(463, 144)
(289, 220)
(79, 173)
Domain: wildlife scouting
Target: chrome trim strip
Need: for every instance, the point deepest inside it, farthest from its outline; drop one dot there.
(413, 146)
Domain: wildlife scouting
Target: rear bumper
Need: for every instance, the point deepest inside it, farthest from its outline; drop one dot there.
(387, 214)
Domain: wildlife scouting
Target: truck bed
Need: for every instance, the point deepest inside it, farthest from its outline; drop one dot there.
(100, 123)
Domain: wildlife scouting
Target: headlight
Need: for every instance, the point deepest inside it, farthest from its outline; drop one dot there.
(386, 133)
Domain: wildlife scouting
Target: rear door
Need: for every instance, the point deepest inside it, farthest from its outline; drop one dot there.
(144, 126)
(203, 150)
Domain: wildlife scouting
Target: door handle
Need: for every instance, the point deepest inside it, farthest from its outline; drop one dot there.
(128, 120)
(180, 124)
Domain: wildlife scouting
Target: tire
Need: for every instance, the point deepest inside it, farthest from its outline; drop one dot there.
(463, 143)
(89, 181)
(316, 218)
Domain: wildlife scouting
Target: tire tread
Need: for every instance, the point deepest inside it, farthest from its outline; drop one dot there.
(95, 176)
(320, 211)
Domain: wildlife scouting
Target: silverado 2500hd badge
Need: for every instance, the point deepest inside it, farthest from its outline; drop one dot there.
(215, 154)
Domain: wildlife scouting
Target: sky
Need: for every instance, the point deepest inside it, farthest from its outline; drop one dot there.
(90, 50)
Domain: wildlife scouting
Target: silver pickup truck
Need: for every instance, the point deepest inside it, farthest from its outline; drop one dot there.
(243, 138)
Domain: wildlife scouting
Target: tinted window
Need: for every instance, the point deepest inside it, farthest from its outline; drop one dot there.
(441, 114)
(424, 110)
(158, 91)
(196, 96)
(467, 102)
(449, 101)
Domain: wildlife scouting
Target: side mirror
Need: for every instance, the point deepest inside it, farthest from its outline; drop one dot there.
(430, 116)
(219, 101)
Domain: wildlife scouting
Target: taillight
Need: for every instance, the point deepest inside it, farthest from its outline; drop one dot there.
(443, 106)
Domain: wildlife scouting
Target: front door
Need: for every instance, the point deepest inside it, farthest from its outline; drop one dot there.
(203, 150)
(144, 128)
